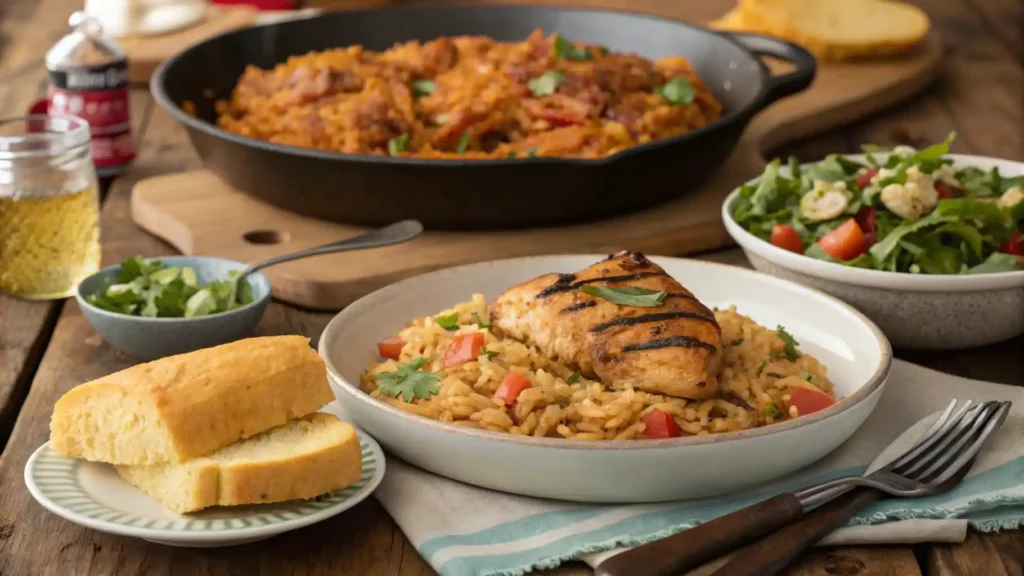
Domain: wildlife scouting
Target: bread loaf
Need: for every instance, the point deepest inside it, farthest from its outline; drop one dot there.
(833, 31)
(302, 459)
(189, 405)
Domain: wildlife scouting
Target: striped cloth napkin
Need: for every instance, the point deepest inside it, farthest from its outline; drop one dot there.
(463, 530)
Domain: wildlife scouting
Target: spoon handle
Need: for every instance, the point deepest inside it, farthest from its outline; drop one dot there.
(392, 234)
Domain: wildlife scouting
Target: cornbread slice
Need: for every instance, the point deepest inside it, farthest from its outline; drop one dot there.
(732, 20)
(835, 31)
(304, 458)
(189, 405)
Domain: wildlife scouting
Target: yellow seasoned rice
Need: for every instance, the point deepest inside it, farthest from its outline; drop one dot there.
(755, 381)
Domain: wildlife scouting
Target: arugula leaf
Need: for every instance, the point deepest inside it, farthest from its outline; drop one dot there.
(830, 170)
(997, 262)
(790, 343)
(979, 183)
(886, 247)
(936, 151)
(573, 378)
(815, 251)
(202, 303)
(1007, 183)
(409, 382)
(970, 209)
(449, 322)
(627, 295)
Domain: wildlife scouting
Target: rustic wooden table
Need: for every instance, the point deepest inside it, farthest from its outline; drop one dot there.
(47, 347)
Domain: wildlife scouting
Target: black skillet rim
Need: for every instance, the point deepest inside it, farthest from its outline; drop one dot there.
(211, 129)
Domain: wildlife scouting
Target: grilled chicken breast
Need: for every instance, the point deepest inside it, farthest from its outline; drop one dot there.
(672, 348)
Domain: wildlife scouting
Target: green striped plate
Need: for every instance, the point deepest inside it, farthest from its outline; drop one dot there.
(93, 495)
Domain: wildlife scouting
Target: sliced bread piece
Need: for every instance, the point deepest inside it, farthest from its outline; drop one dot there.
(838, 31)
(732, 20)
(304, 458)
(180, 407)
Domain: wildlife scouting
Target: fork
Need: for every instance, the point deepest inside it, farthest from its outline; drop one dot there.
(696, 546)
(932, 470)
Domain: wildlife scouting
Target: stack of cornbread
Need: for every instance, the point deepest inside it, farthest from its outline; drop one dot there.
(224, 426)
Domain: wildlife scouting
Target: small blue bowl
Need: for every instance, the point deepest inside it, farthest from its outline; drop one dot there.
(152, 338)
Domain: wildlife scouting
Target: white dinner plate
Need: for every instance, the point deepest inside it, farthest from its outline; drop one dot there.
(855, 351)
(93, 495)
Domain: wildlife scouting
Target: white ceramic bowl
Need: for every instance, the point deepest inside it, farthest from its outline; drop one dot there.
(921, 311)
(854, 350)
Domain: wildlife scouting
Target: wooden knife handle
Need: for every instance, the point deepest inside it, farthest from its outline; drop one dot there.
(691, 548)
(774, 553)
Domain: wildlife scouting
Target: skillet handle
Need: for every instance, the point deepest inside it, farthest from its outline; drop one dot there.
(783, 85)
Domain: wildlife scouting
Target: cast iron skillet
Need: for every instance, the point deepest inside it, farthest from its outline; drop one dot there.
(455, 194)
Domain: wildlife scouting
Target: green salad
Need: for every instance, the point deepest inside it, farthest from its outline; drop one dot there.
(904, 210)
(149, 288)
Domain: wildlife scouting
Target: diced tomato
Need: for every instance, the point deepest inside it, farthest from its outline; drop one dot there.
(511, 385)
(944, 191)
(785, 236)
(809, 401)
(390, 348)
(845, 242)
(464, 348)
(1014, 244)
(660, 425)
(865, 180)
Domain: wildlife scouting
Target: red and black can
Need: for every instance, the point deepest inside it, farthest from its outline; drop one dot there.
(89, 79)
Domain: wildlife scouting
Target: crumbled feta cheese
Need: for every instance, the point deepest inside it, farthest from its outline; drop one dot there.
(911, 200)
(827, 200)
(1012, 197)
(904, 150)
(946, 174)
(793, 412)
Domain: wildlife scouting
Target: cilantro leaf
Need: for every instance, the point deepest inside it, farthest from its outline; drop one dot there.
(480, 322)
(791, 343)
(409, 382)
(678, 91)
(547, 83)
(449, 322)
(566, 50)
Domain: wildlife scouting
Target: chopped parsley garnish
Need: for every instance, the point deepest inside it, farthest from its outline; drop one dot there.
(423, 87)
(547, 83)
(677, 91)
(398, 144)
(736, 342)
(573, 378)
(761, 367)
(627, 295)
(776, 355)
(409, 382)
(773, 375)
(806, 377)
(771, 410)
(531, 152)
(791, 343)
(480, 322)
(463, 143)
(490, 353)
(566, 50)
(449, 322)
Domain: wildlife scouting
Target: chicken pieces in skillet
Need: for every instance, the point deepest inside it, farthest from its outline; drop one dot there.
(666, 344)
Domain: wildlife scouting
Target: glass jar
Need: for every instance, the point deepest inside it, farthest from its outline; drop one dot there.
(49, 207)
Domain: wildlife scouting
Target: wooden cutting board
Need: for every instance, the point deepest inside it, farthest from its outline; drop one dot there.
(199, 214)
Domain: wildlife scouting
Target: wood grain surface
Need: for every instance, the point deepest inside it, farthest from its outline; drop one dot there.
(52, 347)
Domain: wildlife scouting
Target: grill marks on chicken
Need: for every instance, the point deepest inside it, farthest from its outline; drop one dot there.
(672, 348)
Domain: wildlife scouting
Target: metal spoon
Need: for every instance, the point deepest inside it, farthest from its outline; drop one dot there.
(391, 234)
